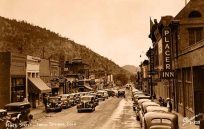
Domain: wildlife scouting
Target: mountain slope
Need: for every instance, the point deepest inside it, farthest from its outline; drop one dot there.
(130, 68)
(22, 37)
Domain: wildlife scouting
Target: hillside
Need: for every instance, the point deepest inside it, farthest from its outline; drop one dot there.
(130, 68)
(24, 38)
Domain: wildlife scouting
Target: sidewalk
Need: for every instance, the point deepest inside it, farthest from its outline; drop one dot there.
(38, 112)
(183, 125)
(181, 121)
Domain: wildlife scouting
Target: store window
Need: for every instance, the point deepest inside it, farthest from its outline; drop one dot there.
(18, 88)
(195, 35)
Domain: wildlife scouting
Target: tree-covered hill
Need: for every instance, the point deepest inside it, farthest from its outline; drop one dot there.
(22, 37)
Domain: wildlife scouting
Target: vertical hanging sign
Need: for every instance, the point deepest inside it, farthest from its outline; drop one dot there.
(166, 46)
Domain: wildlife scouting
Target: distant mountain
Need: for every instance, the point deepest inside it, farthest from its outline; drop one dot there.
(22, 37)
(130, 68)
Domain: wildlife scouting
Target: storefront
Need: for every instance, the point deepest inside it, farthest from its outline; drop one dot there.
(36, 86)
(12, 78)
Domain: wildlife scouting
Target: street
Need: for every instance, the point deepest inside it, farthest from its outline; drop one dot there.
(114, 113)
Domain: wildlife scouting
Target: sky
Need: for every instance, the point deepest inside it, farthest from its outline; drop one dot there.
(116, 29)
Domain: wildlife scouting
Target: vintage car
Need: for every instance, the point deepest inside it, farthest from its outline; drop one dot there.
(136, 93)
(136, 98)
(18, 114)
(65, 100)
(101, 95)
(73, 99)
(157, 109)
(3, 115)
(54, 104)
(121, 93)
(160, 120)
(144, 110)
(95, 98)
(77, 98)
(139, 106)
(111, 93)
(87, 103)
(105, 93)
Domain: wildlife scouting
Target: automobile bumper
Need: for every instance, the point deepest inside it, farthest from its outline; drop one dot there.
(84, 109)
(54, 109)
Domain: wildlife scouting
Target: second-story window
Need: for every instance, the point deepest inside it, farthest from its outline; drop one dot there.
(195, 35)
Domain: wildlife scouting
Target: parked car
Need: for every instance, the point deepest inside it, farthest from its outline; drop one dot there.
(18, 114)
(105, 93)
(136, 98)
(136, 93)
(54, 104)
(87, 103)
(160, 120)
(143, 111)
(77, 97)
(65, 98)
(73, 99)
(111, 93)
(157, 109)
(116, 92)
(3, 119)
(95, 98)
(121, 93)
(101, 95)
(139, 106)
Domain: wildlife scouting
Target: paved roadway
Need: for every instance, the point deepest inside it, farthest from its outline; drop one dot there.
(114, 113)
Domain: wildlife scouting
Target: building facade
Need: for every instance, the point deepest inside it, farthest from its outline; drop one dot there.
(36, 86)
(186, 59)
(190, 59)
(12, 78)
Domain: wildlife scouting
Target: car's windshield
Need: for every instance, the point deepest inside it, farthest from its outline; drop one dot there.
(12, 108)
(86, 99)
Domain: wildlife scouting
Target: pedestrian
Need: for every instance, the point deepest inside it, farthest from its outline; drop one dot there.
(169, 104)
(45, 100)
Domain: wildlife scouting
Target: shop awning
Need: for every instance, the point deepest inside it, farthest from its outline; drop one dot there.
(88, 87)
(36, 85)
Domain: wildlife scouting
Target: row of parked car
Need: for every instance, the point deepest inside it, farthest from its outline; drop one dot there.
(150, 114)
(15, 115)
(82, 100)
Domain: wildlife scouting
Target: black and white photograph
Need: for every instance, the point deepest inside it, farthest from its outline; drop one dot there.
(101, 64)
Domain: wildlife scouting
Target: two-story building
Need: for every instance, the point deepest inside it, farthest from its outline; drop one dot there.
(36, 86)
(189, 62)
(182, 55)
(12, 78)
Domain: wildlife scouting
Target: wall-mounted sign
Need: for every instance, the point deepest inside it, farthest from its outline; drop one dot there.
(151, 59)
(166, 46)
(167, 74)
